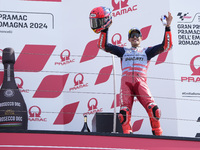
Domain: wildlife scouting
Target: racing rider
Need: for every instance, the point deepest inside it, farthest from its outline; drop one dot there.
(135, 61)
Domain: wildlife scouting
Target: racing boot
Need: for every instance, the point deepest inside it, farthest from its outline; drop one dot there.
(125, 120)
(154, 116)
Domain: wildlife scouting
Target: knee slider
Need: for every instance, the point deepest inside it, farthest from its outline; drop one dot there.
(154, 111)
(124, 115)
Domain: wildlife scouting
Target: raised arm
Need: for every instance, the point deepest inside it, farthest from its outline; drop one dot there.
(103, 44)
(167, 41)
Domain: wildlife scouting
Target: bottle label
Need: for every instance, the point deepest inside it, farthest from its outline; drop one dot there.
(11, 119)
(85, 119)
(12, 115)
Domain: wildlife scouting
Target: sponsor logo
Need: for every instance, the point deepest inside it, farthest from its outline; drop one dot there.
(182, 16)
(20, 84)
(117, 40)
(65, 58)
(194, 78)
(195, 72)
(9, 93)
(35, 114)
(134, 58)
(188, 29)
(78, 82)
(121, 7)
(92, 107)
(190, 79)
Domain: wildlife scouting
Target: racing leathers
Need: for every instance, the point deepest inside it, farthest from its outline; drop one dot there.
(135, 62)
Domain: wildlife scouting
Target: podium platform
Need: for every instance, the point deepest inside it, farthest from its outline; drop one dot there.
(43, 140)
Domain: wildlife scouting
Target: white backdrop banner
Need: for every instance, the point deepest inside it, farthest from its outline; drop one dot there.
(63, 75)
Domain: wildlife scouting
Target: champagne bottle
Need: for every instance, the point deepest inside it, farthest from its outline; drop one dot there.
(85, 126)
(13, 110)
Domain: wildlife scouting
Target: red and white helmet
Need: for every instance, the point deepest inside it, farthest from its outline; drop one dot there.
(100, 18)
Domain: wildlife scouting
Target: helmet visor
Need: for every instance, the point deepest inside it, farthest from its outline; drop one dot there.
(137, 35)
(134, 29)
(96, 23)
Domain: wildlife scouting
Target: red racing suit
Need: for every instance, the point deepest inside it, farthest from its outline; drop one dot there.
(135, 62)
